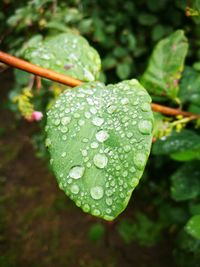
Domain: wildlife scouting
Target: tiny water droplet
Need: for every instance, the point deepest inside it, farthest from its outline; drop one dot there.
(75, 189)
(94, 145)
(100, 160)
(111, 109)
(65, 120)
(124, 101)
(76, 172)
(109, 201)
(139, 160)
(97, 121)
(96, 192)
(145, 127)
(145, 107)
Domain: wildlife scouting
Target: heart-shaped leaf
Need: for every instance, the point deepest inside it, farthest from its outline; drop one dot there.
(99, 139)
(66, 53)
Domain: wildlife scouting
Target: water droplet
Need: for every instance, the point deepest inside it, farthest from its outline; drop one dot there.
(64, 129)
(63, 154)
(86, 208)
(100, 160)
(127, 148)
(129, 135)
(124, 101)
(87, 114)
(74, 189)
(108, 211)
(140, 160)
(65, 120)
(93, 110)
(124, 174)
(81, 122)
(96, 192)
(94, 145)
(64, 137)
(97, 121)
(145, 107)
(76, 172)
(56, 122)
(109, 201)
(84, 153)
(111, 109)
(96, 212)
(145, 127)
(48, 142)
(102, 136)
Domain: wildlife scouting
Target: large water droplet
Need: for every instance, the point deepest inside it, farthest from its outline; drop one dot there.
(75, 189)
(145, 127)
(97, 121)
(76, 172)
(96, 192)
(102, 136)
(100, 160)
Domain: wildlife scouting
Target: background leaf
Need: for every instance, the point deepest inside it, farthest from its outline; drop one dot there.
(181, 146)
(193, 226)
(165, 65)
(186, 182)
(66, 53)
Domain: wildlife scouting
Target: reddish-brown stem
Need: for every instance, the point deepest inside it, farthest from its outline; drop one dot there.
(67, 80)
(39, 71)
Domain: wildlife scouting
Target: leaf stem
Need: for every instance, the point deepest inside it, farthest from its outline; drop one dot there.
(67, 80)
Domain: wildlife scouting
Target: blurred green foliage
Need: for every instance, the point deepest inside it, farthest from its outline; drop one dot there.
(125, 38)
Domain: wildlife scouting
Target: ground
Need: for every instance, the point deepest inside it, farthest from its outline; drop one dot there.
(39, 225)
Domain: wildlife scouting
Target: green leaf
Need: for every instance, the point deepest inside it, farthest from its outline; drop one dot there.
(68, 54)
(190, 87)
(193, 226)
(123, 70)
(181, 146)
(99, 138)
(186, 182)
(165, 65)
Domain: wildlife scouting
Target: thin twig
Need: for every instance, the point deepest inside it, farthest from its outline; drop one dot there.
(67, 80)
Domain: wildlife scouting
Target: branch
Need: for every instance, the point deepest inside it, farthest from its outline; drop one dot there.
(67, 80)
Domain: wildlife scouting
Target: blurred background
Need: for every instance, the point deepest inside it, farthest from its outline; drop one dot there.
(39, 225)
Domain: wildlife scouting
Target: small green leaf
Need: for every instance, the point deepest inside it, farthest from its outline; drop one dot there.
(181, 146)
(165, 65)
(123, 70)
(193, 226)
(99, 139)
(186, 182)
(190, 86)
(66, 53)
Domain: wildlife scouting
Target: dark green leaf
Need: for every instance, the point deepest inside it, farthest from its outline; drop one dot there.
(181, 146)
(193, 226)
(165, 65)
(190, 86)
(99, 139)
(186, 182)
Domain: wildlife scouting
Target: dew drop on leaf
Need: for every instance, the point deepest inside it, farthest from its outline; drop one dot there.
(100, 160)
(76, 172)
